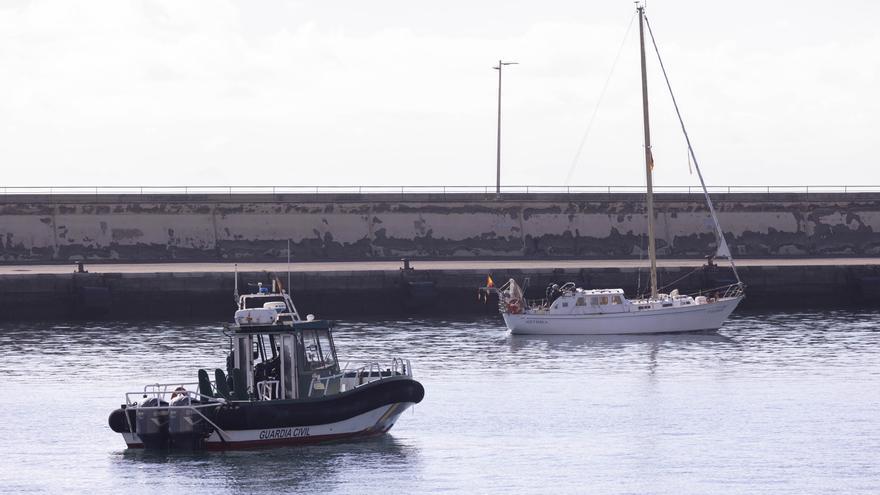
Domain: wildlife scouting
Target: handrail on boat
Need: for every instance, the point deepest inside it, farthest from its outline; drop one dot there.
(536, 303)
(268, 389)
(731, 290)
(372, 372)
(166, 387)
(159, 396)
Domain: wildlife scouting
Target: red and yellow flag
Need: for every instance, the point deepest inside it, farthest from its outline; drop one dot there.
(489, 281)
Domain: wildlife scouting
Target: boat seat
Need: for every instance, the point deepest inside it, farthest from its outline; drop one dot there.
(205, 389)
(222, 386)
(239, 386)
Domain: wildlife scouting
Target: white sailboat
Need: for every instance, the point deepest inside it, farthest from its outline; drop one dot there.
(573, 310)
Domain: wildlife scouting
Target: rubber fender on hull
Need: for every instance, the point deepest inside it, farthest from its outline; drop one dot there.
(118, 422)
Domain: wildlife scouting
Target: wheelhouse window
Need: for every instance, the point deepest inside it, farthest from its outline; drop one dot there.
(616, 300)
(603, 300)
(581, 302)
(318, 349)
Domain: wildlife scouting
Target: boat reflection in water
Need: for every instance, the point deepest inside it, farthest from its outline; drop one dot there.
(279, 470)
(642, 349)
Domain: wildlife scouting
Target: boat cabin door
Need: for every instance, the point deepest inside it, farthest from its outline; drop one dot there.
(289, 388)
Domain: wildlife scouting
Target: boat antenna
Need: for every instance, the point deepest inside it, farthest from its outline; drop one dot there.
(649, 159)
(235, 294)
(288, 266)
(723, 251)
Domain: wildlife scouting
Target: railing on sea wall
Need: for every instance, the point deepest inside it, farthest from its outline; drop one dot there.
(234, 190)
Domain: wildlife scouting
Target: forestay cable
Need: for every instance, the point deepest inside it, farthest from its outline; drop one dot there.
(723, 250)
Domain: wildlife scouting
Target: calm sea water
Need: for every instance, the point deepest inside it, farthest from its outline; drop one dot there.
(774, 403)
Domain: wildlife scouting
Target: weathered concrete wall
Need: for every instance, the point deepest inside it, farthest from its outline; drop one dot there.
(154, 228)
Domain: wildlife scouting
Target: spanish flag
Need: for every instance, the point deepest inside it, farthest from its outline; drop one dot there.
(489, 281)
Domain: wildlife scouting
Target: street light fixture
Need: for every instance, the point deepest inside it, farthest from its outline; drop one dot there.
(501, 64)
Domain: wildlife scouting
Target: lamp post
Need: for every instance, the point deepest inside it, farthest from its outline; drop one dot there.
(501, 64)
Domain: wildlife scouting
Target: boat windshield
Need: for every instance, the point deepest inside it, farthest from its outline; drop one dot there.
(318, 348)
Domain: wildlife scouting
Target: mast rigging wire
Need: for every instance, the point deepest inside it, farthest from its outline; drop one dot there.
(718, 233)
(586, 135)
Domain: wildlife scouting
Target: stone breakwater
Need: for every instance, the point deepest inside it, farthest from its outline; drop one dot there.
(35, 229)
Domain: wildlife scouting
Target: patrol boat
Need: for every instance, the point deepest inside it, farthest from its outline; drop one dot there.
(282, 385)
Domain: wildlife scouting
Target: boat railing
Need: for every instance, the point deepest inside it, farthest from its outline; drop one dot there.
(163, 400)
(536, 303)
(363, 375)
(734, 290)
(723, 292)
(167, 388)
(268, 389)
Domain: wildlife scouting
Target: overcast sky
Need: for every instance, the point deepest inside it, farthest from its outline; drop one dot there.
(218, 92)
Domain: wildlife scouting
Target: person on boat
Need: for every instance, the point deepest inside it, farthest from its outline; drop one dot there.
(710, 263)
(179, 396)
(552, 293)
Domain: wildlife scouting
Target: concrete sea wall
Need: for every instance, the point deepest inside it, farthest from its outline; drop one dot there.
(35, 229)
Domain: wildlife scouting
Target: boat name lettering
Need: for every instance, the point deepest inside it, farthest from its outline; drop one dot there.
(537, 322)
(283, 433)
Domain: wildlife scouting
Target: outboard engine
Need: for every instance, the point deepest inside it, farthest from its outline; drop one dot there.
(151, 424)
(187, 429)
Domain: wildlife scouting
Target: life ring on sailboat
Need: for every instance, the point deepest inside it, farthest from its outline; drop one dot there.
(514, 308)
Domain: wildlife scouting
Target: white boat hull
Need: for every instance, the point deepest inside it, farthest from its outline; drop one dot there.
(692, 318)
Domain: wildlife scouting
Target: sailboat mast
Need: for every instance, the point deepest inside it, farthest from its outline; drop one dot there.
(649, 160)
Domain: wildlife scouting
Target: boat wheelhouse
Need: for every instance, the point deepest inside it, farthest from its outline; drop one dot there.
(282, 385)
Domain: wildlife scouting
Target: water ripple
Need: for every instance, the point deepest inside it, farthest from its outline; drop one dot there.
(772, 403)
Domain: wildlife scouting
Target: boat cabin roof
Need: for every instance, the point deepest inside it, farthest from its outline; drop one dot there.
(286, 327)
(250, 301)
(599, 292)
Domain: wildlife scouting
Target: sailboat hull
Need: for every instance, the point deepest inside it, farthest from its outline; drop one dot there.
(702, 317)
